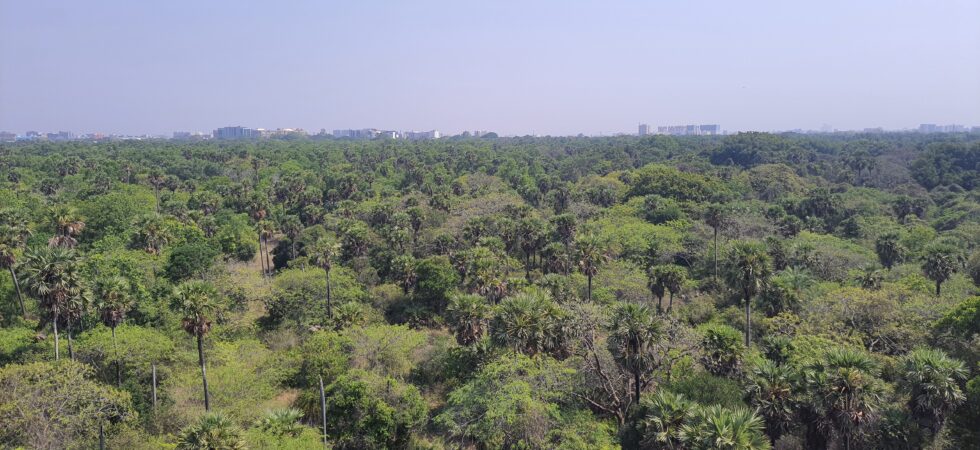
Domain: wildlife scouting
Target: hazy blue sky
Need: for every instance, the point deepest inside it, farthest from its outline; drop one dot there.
(517, 67)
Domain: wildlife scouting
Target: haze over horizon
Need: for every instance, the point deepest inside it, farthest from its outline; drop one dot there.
(546, 67)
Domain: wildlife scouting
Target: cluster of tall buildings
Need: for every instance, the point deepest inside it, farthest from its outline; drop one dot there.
(682, 130)
(933, 128)
(373, 133)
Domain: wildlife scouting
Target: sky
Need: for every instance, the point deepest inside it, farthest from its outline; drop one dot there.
(515, 67)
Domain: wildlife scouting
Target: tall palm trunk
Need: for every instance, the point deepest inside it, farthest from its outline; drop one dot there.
(268, 263)
(262, 258)
(329, 305)
(204, 371)
(636, 386)
(938, 287)
(748, 321)
(115, 350)
(590, 288)
(57, 345)
(670, 305)
(71, 349)
(716, 256)
(20, 296)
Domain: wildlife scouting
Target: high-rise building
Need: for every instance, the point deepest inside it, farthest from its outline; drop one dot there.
(690, 130)
(644, 129)
(6, 136)
(236, 133)
(432, 134)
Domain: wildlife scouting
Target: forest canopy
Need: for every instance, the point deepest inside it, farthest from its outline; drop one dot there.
(749, 291)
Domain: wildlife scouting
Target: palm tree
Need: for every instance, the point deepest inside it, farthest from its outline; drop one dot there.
(933, 381)
(747, 270)
(663, 417)
(633, 332)
(291, 226)
(68, 224)
(113, 302)
(282, 422)
(889, 249)
(12, 239)
(323, 254)
(591, 252)
(531, 231)
(716, 216)
(467, 315)
(939, 263)
(211, 432)
(671, 278)
(156, 179)
(403, 272)
(848, 391)
(151, 233)
(527, 322)
(773, 390)
(348, 315)
(718, 428)
(266, 231)
(52, 276)
(656, 286)
(196, 302)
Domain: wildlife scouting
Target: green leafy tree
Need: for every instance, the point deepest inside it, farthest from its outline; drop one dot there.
(188, 261)
(436, 279)
(56, 405)
(197, 303)
(213, 431)
(371, 411)
(939, 263)
(747, 270)
(633, 333)
(973, 268)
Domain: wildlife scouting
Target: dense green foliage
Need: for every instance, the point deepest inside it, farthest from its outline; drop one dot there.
(742, 292)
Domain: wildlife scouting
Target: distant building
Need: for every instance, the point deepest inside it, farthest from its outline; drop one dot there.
(416, 135)
(236, 133)
(644, 129)
(933, 128)
(690, 130)
(60, 136)
(365, 133)
(6, 136)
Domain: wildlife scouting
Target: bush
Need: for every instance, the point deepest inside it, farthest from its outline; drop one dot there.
(188, 261)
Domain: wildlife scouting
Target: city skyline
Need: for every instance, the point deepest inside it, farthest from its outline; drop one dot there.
(544, 68)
